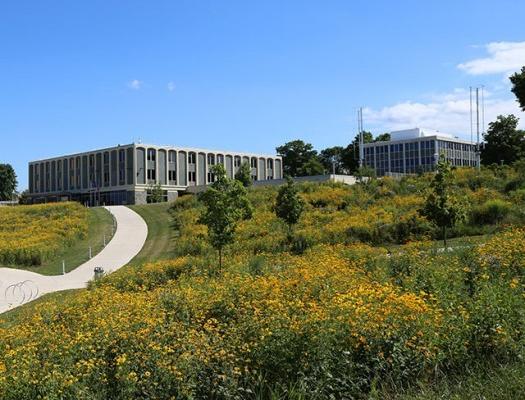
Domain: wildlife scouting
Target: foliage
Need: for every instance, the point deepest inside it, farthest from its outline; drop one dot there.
(504, 143)
(490, 212)
(225, 204)
(384, 137)
(299, 158)
(351, 154)
(288, 205)
(31, 234)
(442, 207)
(332, 159)
(518, 87)
(155, 193)
(244, 174)
(8, 182)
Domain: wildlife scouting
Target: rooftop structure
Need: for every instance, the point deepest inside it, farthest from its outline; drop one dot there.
(126, 174)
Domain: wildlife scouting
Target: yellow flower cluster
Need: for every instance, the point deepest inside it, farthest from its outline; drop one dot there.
(30, 234)
(172, 324)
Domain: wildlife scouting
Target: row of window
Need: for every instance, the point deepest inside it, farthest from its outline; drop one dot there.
(155, 173)
(412, 157)
(82, 172)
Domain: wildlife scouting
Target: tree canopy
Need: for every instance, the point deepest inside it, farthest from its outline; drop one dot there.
(332, 159)
(518, 87)
(8, 182)
(503, 141)
(298, 158)
(351, 153)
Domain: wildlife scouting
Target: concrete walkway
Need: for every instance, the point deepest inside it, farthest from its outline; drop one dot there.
(18, 286)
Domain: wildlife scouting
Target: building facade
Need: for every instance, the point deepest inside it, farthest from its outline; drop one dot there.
(417, 150)
(127, 174)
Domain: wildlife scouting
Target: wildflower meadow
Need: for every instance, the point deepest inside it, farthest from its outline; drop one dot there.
(361, 298)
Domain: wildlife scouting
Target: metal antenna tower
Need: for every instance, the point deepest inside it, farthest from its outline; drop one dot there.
(471, 129)
(483, 109)
(477, 129)
(361, 139)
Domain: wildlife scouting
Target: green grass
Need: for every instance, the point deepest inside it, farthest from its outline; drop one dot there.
(100, 224)
(14, 316)
(488, 381)
(160, 243)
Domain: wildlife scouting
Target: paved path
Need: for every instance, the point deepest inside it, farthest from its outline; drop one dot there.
(18, 286)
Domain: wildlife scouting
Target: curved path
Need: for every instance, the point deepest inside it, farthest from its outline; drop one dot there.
(18, 286)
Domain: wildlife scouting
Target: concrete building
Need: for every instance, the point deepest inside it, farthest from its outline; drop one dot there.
(125, 174)
(414, 150)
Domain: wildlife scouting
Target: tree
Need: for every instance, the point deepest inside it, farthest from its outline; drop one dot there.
(384, 137)
(288, 205)
(244, 174)
(350, 156)
(225, 204)
(8, 182)
(442, 207)
(518, 87)
(365, 174)
(24, 198)
(503, 141)
(332, 159)
(156, 194)
(312, 167)
(296, 156)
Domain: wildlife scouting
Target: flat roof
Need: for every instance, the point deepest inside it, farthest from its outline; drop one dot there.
(168, 147)
(422, 138)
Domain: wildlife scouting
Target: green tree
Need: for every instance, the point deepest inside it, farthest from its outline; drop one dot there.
(332, 159)
(244, 174)
(24, 198)
(503, 141)
(156, 194)
(350, 156)
(442, 207)
(8, 182)
(384, 137)
(518, 87)
(312, 167)
(298, 158)
(225, 204)
(288, 204)
(365, 174)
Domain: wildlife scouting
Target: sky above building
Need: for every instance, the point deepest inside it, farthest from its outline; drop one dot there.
(246, 76)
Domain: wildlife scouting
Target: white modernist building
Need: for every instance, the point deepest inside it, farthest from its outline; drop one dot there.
(126, 174)
(417, 149)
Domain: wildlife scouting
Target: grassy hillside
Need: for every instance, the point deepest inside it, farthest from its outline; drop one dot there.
(39, 237)
(160, 242)
(360, 303)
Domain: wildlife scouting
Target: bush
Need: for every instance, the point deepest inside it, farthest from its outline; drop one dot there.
(490, 212)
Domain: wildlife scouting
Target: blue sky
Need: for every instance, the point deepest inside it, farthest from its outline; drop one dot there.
(245, 75)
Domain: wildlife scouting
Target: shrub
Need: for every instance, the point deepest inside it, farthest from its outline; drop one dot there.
(490, 212)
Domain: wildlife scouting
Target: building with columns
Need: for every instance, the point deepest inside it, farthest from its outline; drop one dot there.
(417, 150)
(126, 174)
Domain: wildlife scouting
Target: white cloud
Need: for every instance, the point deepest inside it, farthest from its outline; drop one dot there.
(503, 57)
(448, 112)
(171, 86)
(135, 84)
